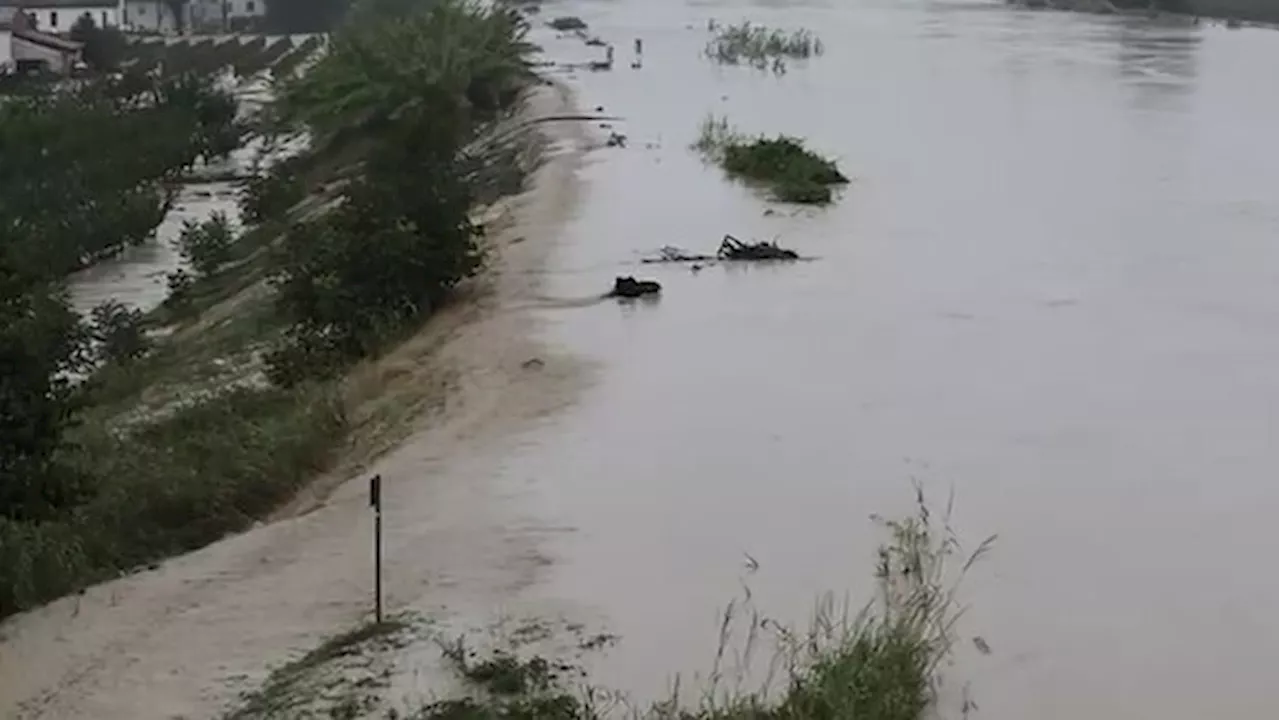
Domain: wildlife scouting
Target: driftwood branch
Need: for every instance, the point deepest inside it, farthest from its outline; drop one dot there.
(731, 249)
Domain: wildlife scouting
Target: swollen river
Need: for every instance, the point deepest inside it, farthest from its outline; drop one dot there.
(1049, 292)
(1050, 289)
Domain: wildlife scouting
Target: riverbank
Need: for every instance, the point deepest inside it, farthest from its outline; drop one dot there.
(1229, 12)
(133, 647)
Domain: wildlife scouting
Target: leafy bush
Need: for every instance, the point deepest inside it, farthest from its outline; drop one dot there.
(104, 48)
(270, 195)
(793, 172)
(117, 329)
(179, 283)
(206, 246)
(428, 81)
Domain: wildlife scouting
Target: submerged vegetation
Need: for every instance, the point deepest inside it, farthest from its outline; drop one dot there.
(175, 438)
(792, 172)
(759, 46)
(879, 663)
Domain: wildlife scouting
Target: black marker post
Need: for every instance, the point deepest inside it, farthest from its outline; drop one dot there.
(375, 501)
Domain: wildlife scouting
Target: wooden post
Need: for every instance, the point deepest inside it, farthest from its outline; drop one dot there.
(375, 501)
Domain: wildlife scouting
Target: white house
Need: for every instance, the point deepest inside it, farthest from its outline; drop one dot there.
(223, 15)
(59, 16)
(21, 45)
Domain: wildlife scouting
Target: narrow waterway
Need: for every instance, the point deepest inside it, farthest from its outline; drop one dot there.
(137, 276)
(1050, 288)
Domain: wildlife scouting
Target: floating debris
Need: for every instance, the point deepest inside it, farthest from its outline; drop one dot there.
(731, 249)
(567, 23)
(629, 287)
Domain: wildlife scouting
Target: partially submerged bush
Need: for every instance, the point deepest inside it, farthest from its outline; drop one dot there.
(791, 171)
(760, 46)
(206, 246)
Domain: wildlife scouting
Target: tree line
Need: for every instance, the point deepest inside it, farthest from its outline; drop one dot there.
(85, 174)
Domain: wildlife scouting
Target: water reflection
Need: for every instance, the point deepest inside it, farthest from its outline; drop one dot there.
(1157, 60)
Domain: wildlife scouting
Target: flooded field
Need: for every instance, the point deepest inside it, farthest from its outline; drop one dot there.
(137, 276)
(1049, 289)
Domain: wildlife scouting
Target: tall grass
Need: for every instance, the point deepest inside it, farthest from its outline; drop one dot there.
(790, 170)
(168, 487)
(760, 46)
(881, 662)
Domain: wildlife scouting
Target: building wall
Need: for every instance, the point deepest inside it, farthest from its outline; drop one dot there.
(246, 8)
(6, 51)
(222, 15)
(61, 20)
(58, 61)
(149, 16)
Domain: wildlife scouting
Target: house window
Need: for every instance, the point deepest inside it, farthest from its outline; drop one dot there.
(248, 7)
(53, 18)
(104, 18)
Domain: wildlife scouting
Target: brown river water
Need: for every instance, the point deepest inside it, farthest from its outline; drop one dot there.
(1050, 290)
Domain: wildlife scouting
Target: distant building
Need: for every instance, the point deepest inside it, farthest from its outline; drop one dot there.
(223, 15)
(59, 16)
(23, 47)
(150, 16)
(8, 17)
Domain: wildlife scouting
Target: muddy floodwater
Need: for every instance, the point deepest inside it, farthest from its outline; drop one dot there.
(1050, 287)
(1050, 290)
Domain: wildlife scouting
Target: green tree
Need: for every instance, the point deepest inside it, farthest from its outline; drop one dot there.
(206, 246)
(118, 331)
(104, 48)
(426, 85)
(41, 343)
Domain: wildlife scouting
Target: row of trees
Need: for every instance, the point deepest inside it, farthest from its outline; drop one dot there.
(84, 174)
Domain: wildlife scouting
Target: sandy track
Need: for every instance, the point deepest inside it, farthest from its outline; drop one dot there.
(183, 640)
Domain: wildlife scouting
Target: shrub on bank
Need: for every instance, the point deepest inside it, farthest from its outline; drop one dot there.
(420, 90)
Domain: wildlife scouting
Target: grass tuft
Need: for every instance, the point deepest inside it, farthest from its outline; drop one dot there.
(792, 172)
(759, 46)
